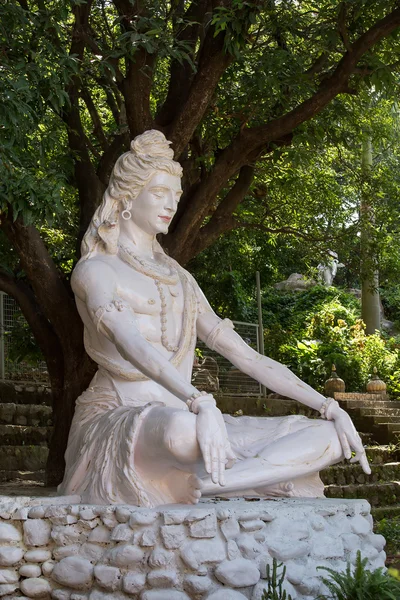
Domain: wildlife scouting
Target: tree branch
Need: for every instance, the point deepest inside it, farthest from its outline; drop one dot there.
(221, 219)
(253, 141)
(49, 288)
(213, 62)
(97, 126)
(119, 144)
(329, 88)
(88, 184)
(137, 84)
(181, 72)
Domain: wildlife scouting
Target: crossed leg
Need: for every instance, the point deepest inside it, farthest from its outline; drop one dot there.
(167, 448)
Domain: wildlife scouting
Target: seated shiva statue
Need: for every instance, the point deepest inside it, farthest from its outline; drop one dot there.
(142, 434)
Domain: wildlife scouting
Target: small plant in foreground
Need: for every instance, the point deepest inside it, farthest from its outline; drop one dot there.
(275, 582)
(360, 584)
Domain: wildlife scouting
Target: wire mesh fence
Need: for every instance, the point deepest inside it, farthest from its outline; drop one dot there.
(16, 339)
(20, 360)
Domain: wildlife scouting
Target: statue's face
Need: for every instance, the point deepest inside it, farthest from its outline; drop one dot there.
(155, 206)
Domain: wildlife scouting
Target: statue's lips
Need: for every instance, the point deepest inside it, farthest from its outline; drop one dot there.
(166, 219)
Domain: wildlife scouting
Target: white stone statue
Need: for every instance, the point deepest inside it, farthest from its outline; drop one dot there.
(142, 433)
(328, 269)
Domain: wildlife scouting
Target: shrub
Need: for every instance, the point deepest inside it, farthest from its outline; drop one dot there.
(390, 529)
(361, 584)
(312, 330)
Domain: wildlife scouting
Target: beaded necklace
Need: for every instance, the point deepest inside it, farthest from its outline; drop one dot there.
(162, 274)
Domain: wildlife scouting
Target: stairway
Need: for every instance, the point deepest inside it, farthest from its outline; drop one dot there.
(25, 430)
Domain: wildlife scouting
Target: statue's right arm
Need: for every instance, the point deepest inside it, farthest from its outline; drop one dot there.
(94, 282)
(96, 286)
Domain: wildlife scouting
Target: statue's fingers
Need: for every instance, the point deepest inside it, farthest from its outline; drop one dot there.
(222, 461)
(214, 464)
(364, 463)
(207, 457)
(345, 445)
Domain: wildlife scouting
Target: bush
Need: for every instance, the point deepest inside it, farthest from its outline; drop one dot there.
(390, 529)
(312, 330)
(360, 584)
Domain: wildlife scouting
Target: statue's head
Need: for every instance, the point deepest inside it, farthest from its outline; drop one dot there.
(149, 157)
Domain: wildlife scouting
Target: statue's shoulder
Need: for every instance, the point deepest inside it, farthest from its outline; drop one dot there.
(98, 270)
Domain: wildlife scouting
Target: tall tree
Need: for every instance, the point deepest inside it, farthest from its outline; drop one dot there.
(229, 82)
(370, 305)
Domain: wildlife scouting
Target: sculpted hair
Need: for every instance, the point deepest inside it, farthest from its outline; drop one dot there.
(149, 153)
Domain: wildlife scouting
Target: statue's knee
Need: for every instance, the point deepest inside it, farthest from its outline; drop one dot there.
(180, 436)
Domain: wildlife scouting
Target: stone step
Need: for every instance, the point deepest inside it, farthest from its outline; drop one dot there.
(25, 414)
(359, 397)
(383, 419)
(24, 393)
(348, 474)
(366, 403)
(20, 435)
(377, 494)
(385, 512)
(372, 411)
(23, 476)
(23, 458)
(383, 454)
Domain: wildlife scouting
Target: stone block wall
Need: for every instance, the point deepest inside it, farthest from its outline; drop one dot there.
(56, 548)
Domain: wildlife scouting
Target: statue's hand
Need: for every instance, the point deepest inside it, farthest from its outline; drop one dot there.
(349, 438)
(213, 441)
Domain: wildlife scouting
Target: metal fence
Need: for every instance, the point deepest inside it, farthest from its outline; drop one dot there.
(15, 334)
(211, 371)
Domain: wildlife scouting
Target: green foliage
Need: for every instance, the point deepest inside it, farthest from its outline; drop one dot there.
(361, 584)
(21, 344)
(275, 581)
(390, 529)
(309, 331)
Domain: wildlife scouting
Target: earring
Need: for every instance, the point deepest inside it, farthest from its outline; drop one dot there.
(126, 213)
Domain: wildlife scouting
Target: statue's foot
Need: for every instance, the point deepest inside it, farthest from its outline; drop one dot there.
(193, 492)
(278, 490)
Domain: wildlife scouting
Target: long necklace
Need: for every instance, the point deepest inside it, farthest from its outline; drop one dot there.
(159, 277)
(163, 273)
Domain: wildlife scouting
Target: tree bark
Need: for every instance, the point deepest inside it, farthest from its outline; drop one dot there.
(370, 304)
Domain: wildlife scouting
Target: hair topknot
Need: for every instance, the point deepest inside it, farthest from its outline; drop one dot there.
(152, 144)
(149, 153)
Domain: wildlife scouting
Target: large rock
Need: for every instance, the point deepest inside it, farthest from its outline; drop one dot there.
(74, 572)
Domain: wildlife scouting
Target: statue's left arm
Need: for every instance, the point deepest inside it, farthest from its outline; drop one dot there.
(220, 336)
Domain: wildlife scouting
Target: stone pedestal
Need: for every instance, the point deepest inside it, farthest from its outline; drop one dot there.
(217, 550)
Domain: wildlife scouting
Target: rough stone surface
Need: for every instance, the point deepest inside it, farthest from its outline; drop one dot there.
(10, 555)
(237, 573)
(37, 532)
(8, 588)
(9, 533)
(30, 571)
(214, 551)
(37, 556)
(36, 587)
(73, 572)
(134, 582)
(108, 578)
(226, 595)
(8, 576)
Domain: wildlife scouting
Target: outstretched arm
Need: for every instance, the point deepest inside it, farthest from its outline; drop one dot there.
(275, 376)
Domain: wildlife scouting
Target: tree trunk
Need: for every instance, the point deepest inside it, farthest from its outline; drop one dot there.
(370, 305)
(77, 373)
